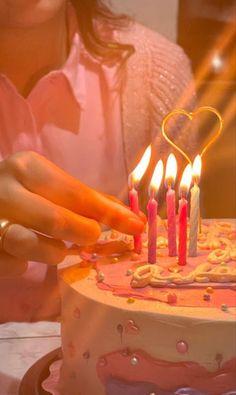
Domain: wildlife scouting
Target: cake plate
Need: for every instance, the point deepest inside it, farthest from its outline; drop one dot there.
(31, 383)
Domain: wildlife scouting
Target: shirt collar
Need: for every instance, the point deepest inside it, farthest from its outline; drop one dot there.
(78, 58)
(73, 69)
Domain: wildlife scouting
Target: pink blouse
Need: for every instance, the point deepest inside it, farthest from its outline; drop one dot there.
(72, 117)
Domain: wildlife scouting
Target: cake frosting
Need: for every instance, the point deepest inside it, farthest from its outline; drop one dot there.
(131, 328)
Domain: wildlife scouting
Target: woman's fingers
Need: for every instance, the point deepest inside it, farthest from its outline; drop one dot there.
(24, 244)
(11, 266)
(43, 178)
(37, 213)
(141, 215)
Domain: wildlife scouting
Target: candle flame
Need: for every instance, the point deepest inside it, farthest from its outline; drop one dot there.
(156, 178)
(171, 170)
(140, 169)
(197, 167)
(186, 179)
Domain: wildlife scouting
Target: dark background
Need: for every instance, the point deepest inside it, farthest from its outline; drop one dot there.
(206, 31)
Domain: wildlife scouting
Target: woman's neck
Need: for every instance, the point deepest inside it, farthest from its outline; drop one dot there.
(26, 54)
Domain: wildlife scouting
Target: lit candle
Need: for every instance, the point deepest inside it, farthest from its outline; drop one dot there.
(152, 211)
(183, 213)
(194, 207)
(171, 171)
(133, 181)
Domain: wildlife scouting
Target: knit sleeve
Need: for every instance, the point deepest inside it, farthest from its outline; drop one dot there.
(157, 79)
(171, 87)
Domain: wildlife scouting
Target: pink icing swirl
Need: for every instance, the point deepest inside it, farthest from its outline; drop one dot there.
(168, 376)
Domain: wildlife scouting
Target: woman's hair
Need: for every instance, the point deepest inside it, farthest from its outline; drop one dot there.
(90, 13)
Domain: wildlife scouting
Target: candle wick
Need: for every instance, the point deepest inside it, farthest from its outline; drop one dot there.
(169, 183)
(196, 180)
(131, 182)
(151, 193)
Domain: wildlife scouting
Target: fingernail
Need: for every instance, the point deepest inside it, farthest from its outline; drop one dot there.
(143, 217)
(136, 225)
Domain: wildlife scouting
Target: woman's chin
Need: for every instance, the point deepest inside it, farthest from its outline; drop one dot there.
(29, 13)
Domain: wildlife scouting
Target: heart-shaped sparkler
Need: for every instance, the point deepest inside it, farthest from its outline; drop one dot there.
(190, 116)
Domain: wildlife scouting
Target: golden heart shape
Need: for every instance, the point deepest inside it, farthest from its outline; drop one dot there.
(190, 116)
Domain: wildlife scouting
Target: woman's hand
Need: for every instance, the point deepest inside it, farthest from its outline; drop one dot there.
(45, 206)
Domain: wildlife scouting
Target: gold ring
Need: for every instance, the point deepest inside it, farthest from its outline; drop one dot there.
(4, 226)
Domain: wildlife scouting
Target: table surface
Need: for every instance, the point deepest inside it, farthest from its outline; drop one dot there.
(21, 345)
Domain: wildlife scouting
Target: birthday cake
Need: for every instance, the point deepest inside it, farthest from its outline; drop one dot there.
(134, 328)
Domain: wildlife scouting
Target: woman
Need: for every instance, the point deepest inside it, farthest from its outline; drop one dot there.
(82, 94)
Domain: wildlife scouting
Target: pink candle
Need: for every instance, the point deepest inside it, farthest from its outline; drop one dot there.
(134, 205)
(152, 211)
(180, 205)
(183, 213)
(171, 171)
(133, 181)
(171, 222)
(182, 253)
(152, 230)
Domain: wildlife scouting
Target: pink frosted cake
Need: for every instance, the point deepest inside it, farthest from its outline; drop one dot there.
(130, 328)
